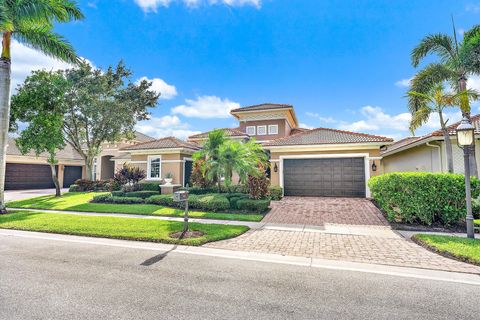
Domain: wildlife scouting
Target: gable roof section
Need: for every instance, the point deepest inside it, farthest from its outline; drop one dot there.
(410, 142)
(164, 143)
(327, 136)
(229, 132)
(141, 137)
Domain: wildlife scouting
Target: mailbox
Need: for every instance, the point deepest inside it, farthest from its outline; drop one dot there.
(180, 196)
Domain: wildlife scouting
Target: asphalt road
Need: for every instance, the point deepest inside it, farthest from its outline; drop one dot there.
(44, 279)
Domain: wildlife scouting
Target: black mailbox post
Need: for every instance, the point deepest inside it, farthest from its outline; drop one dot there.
(182, 196)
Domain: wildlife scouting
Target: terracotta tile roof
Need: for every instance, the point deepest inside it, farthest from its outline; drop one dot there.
(141, 137)
(68, 153)
(229, 132)
(326, 136)
(298, 130)
(164, 143)
(122, 156)
(263, 106)
(438, 133)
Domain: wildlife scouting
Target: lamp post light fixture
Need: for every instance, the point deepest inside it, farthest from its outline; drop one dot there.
(374, 166)
(465, 139)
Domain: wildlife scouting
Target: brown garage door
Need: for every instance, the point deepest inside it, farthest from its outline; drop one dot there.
(71, 174)
(327, 177)
(28, 176)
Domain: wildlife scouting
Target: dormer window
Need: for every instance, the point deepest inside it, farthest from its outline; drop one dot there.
(251, 130)
(273, 129)
(262, 130)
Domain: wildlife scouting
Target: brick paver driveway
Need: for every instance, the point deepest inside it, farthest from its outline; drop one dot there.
(337, 229)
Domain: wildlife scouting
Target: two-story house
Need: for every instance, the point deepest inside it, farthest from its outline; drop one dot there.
(305, 162)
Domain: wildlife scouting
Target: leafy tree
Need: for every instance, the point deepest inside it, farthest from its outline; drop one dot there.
(31, 23)
(103, 106)
(435, 101)
(457, 61)
(39, 104)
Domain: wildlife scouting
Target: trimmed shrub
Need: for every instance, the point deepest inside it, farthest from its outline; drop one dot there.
(252, 205)
(258, 186)
(276, 192)
(149, 186)
(102, 198)
(421, 197)
(200, 190)
(93, 185)
(162, 200)
(127, 200)
(234, 188)
(140, 194)
(74, 188)
(213, 202)
(118, 193)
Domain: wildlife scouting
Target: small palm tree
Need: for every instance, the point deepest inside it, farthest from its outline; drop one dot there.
(210, 153)
(458, 61)
(31, 23)
(435, 101)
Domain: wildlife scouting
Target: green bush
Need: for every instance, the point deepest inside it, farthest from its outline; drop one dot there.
(252, 205)
(213, 202)
(276, 192)
(421, 197)
(163, 200)
(199, 190)
(140, 194)
(102, 198)
(149, 186)
(74, 188)
(127, 200)
(118, 193)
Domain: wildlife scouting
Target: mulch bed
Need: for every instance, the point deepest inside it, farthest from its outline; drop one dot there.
(444, 253)
(186, 235)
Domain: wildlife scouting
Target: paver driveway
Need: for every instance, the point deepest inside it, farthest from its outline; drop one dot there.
(337, 229)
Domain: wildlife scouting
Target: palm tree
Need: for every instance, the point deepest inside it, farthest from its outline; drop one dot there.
(458, 61)
(210, 153)
(31, 23)
(435, 101)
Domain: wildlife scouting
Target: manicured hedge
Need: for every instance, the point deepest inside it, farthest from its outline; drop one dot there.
(252, 205)
(149, 186)
(82, 185)
(276, 192)
(213, 202)
(421, 197)
(106, 198)
(163, 200)
(135, 194)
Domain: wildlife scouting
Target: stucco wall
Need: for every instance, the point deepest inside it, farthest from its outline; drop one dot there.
(283, 128)
(421, 158)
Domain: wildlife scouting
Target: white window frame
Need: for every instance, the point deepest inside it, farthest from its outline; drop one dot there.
(149, 162)
(270, 127)
(251, 128)
(262, 127)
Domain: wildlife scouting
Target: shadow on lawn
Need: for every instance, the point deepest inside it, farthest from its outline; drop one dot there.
(13, 215)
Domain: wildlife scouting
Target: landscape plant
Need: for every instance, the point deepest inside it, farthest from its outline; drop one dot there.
(30, 22)
(129, 176)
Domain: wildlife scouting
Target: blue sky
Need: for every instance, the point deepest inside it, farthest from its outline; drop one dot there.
(342, 64)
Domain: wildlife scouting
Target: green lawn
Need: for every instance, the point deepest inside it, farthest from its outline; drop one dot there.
(116, 227)
(477, 222)
(463, 248)
(79, 201)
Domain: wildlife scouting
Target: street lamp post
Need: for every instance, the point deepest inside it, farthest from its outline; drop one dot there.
(465, 139)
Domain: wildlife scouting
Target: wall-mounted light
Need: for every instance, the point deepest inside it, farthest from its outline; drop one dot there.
(275, 168)
(374, 166)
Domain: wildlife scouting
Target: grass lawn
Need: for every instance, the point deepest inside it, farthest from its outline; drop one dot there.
(462, 248)
(116, 227)
(477, 222)
(79, 201)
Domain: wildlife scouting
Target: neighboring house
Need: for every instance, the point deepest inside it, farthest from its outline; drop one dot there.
(318, 162)
(32, 172)
(428, 153)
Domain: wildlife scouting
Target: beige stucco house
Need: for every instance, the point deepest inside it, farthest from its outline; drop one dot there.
(318, 162)
(427, 153)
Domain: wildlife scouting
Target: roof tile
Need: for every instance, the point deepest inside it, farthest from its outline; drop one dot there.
(164, 143)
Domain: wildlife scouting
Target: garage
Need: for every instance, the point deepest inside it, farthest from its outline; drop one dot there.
(28, 176)
(324, 177)
(71, 174)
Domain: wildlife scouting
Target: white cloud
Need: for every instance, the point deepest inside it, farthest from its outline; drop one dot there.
(206, 107)
(404, 83)
(306, 126)
(165, 126)
(473, 7)
(319, 117)
(377, 119)
(166, 90)
(153, 5)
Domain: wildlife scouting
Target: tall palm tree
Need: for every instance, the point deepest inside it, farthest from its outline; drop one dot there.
(457, 61)
(31, 23)
(435, 101)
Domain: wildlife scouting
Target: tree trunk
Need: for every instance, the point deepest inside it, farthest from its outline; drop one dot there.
(448, 144)
(89, 166)
(55, 180)
(5, 73)
(462, 86)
